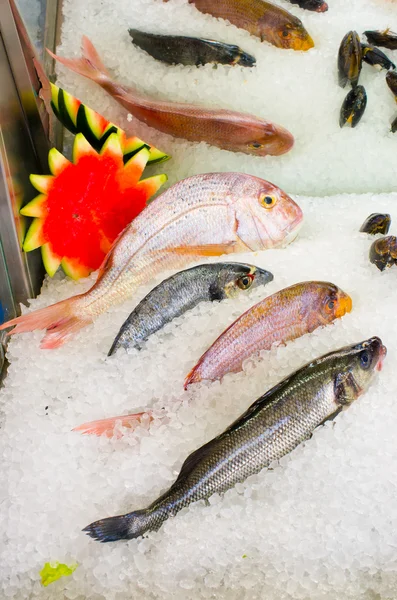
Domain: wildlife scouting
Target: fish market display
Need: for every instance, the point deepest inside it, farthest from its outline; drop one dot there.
(353, 107)
(210, 214)
(273, 426)
(263, 19)
(374, 56)
(316, 5)
(385, 39)
(376, 223)
(349, 59)
(230, 130)
(284, 316)
(383, 252)
(178, 49)
(182, 292)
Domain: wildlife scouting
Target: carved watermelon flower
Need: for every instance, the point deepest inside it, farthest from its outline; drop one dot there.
(85, 204)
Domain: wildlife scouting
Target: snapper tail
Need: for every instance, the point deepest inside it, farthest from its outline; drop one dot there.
(107, 426)
(61, 320)
(124, 527)
(89, 65)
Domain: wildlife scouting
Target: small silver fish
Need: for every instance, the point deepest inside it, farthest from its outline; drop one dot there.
(183, 50)
(271, 428)
(183, 291)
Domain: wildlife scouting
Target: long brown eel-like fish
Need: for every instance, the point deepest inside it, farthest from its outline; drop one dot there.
(227, 129)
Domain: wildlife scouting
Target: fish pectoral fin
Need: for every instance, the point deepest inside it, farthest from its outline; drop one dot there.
(345, 388)
(204, 250)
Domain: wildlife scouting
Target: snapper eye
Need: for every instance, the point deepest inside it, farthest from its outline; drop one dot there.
(267, 201)
(255, 145)
(331, 305)
(365, 360)
(286, 34)
(245, 282)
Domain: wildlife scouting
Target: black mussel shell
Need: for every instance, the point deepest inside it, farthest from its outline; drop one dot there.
(385, 39)
(383, 252)
(376, 223)
(374, 56)
(349, 59)
(391, 80)
(353, 106)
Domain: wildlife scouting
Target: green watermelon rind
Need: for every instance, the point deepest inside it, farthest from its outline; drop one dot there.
(84, 122)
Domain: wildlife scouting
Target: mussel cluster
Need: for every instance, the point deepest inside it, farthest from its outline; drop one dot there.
(352, 53)
(383, 251)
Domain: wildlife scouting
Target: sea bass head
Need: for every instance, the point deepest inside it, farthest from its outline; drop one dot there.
(233, 278)
(321, 302)
(284, 30)
(353, 368)
(266, 216)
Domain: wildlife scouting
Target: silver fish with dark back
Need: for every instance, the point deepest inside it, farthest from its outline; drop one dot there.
(183, 291)
(272, 427)
(183, 50)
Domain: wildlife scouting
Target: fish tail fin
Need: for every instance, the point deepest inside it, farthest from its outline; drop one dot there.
(123, 527)
(61, 320)
(89, 65)
(107, 426)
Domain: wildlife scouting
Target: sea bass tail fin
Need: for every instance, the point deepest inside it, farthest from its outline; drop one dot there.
(123, 527)
(89, 65)
(60, 320)
(107, 426)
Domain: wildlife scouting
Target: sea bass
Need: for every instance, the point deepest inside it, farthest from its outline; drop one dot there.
(203, 215)
(183, 50)
(182, 292)
(267, 21)
(272, 427)
(230, 130)
(284, 316)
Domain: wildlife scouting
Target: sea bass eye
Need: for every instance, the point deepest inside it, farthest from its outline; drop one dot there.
(364, 360)
(286, 34)
(267, 201)
(331, 305)
(245, 282)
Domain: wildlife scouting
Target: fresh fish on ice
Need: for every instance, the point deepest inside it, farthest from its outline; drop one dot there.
(183, 50)
(227, 129)
(266, 20)
(284, 316)
(203, 215)
(272, 427)
(182, 292)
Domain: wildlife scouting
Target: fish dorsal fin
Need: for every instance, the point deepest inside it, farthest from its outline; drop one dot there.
(195, 457)
(261, 403)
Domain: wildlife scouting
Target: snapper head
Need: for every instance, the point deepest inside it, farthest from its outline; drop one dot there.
(266, 216)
